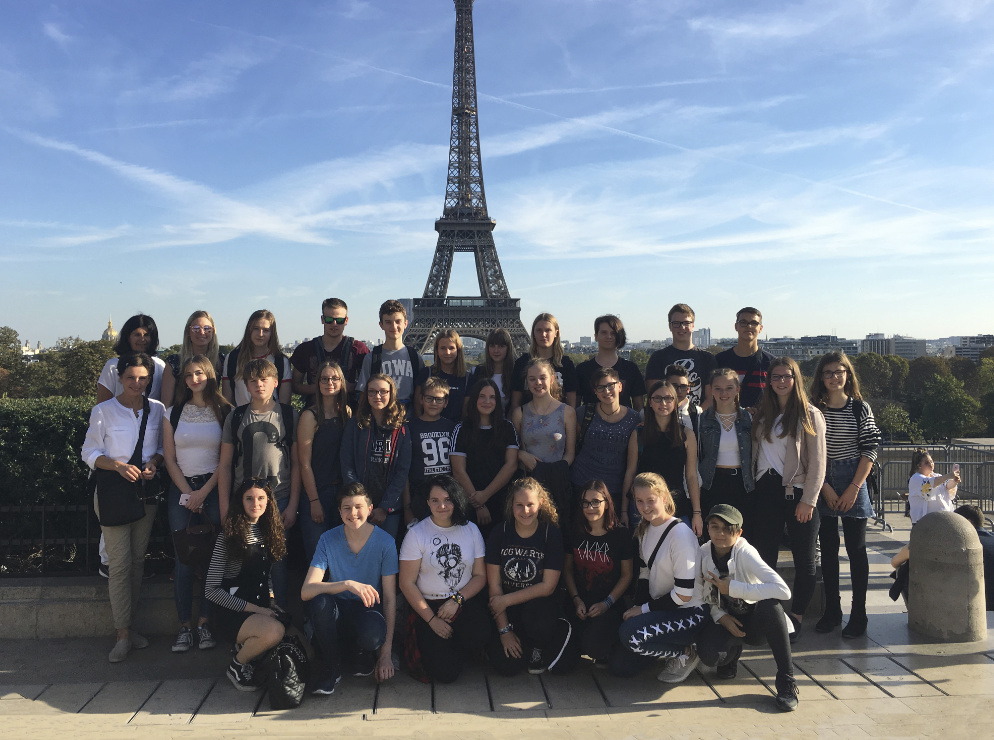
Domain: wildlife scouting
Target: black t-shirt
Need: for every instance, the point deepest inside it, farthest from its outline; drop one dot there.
(752, 372)
(699, 363)
(484, 458)
(565, 374)
(305, 358)
(458, 388)
(523, 561)
(597, 562)
(631, 379)
(431, 442)
(665, 459)
(380, 456)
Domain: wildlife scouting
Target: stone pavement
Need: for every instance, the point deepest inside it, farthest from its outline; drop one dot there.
(887, 684)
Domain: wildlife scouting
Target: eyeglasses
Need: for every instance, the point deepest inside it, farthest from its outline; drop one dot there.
(333, 380)
(202, 330)
(681, 324)
(681, 387)
(782, 378)
(662, 399)
(377, 393)
(829, 374)
(434, 399)
(592, 503)
(749, 324)
(335, 319)
(607, 387)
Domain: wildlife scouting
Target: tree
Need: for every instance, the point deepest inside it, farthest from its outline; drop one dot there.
(987, 410)
(920, 371)
(11, 357)
(987, 354)
(874, 374)
(81, 363)
(640, 357)
(965, 369)
(898, 376)
(892, 419)
(948, 410)
(985, 376)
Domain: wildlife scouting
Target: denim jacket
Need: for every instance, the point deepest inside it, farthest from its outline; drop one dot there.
(707, 446)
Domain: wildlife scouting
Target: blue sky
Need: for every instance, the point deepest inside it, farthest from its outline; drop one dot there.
(830, 162)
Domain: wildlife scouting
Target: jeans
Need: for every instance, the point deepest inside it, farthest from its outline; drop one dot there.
(767, 623)
(773, 512)
(310, 531)
(341, 621)
(656, 634)
(278, 574)
(179, 516)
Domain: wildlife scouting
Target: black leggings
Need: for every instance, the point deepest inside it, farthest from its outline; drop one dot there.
(767, 623)
(854, 531)
(773, 512)
(538, 623)
(443, 659)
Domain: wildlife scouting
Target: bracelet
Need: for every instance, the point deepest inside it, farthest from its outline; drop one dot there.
(432, 617)
(854, 486)
(609, 600)
(505, 630)
(458, 598)
(312, 500)
(697, 512)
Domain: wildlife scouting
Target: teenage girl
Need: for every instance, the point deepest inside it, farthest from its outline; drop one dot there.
(545, 344)
(928, 492)
(260, 342)
(319, 444)
(199, 338)
(852, 441)
(450, 366)
(498, 365)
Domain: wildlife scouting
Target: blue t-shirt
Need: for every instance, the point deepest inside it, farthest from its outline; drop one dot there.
(377, 558)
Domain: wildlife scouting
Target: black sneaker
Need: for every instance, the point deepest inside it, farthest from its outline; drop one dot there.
(241, 675)
(365, 663)
(104, 570)
(728, 671)
(326, 686)
(786, 693)
(184, 640)
(536, 663)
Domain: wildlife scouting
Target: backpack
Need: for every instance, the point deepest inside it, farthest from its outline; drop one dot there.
(286, 672)
(589, 409)
(285, 442)
(348, 349)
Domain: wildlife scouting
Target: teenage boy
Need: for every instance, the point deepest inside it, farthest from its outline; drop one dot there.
(394, 358)
(431, 440)
(258, 442)
(699, 362)
(609, 333)
(746, 358)
(333, 345)
(688, 411)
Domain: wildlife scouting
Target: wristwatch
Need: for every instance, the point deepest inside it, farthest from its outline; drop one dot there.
(505, 630)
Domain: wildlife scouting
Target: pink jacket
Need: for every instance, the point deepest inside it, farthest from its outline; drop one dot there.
(806, 459)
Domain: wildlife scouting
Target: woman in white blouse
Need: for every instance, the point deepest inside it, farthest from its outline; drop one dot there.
(191, 443)
(110, 442)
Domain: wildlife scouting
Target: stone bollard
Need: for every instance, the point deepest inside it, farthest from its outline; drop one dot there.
(946, 581)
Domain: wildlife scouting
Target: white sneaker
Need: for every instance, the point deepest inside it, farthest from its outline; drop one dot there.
(120, 651)
(677, 669)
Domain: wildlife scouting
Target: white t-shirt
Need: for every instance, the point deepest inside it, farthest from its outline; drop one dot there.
(110, 380)
(197, 439)
(926, 497)
(447, 555)
(773, 451)
(114, 429)
(242, 395)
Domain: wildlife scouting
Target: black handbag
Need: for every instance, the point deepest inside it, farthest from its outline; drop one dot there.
(195, 544)
(122, 501)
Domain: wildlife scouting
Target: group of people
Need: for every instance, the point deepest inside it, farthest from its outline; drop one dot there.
(529, 509)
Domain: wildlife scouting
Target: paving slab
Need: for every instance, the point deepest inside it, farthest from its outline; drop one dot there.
(891, 677)
(515, 693)
(68, 697)
(468, 694)
(765, 669)
(644, 689)
(957, 675)
(122, 698)
(22, 691)
(174, 702)
(225, 705)
(402, 696)
(577, 691)
(839, 679)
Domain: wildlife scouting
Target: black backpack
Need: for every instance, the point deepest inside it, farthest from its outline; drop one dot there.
(286, 672)
(285, 443)
(348, 349)
(417, 364)
(589, 409)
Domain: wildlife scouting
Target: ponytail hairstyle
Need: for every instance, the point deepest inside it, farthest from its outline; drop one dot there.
(186, 349)
(917, 457)
(555, 390)
(726, 372)
(795, 410)
(657, 485)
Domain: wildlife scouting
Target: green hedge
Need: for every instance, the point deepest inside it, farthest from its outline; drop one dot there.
(40, 440)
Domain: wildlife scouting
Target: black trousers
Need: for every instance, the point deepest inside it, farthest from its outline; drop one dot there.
(767, 623)
(773, 513)
(472, 630)
(538, 623)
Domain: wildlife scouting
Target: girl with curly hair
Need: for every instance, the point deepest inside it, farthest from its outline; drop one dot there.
(238, 579)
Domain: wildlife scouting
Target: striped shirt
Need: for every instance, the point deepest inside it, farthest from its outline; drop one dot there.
(223, 568)
(851, 431)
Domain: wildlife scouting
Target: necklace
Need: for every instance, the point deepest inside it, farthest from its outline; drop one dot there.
(727, 420)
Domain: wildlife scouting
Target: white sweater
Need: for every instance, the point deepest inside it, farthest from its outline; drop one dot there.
(750, 578)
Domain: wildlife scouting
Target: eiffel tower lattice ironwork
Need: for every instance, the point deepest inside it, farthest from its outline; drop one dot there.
(465, 225)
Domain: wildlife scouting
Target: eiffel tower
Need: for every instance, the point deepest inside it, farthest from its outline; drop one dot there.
(465, 225)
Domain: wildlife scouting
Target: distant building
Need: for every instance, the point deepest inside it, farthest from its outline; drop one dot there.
(27, 351)
(702, 338)
(110, 334)
(585, 340)
(971, 347)
(807, 348)
(905, 347)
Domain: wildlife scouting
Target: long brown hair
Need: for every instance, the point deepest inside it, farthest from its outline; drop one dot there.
(580, 522)
(393, 414)
(453, 336)
(546, 509)
(342, 410)
(795, 410)
(237, 526)
(471, 422)
(819, 393)
(651, 431)
(212, 394)
(486, 369)
(245, 347)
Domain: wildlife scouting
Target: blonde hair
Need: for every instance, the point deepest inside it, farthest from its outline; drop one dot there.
(546, 509)
(555, 390)
(557, 346)
(656, 484)
(186, 349)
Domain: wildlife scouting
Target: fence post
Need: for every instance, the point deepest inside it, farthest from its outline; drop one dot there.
(946, 599)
